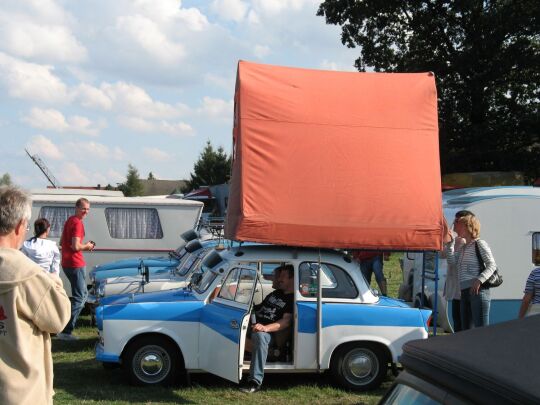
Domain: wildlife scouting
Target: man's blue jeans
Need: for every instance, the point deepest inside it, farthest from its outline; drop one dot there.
(475, 308)
(370, 266)
(260, 341)
(79, 293)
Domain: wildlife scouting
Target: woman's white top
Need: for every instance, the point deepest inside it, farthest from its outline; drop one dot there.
(44, 252)
(464, 258)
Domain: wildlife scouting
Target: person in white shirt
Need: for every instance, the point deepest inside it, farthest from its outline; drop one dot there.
(42, 250)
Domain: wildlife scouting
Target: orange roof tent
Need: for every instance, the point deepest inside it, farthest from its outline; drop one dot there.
(335, 159)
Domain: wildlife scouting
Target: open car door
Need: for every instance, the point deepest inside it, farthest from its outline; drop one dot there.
(224, 325)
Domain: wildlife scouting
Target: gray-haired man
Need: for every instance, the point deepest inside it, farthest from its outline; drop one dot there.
(32, 305)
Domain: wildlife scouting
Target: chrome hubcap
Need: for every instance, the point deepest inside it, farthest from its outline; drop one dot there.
(360, 367)
(151, 364)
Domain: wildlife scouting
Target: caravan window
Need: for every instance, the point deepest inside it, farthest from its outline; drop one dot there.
(56, 216)
(133, 223)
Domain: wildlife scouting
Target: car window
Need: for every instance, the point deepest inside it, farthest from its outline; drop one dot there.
(238, 286)
(336, 283)
(268, 270)
(404, 394)
(190, 261)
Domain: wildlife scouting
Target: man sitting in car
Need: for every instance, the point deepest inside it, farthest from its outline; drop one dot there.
(272, 315)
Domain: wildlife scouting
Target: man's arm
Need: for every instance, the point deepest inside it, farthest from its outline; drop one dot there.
(274, 327)
(76, 244)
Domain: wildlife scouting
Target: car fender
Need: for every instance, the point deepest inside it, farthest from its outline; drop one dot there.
(358, 339)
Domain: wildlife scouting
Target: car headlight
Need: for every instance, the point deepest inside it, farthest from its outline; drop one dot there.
(100, 291)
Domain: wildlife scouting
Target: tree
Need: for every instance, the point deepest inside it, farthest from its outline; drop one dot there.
(5, 180)
(213, 167)
(485, 56)
(151, 176)
(133, 185)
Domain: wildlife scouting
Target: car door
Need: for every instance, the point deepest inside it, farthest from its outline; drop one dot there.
(224, 324)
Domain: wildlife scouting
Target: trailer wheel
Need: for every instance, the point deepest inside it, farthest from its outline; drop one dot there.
(359, 367)
(153, 360)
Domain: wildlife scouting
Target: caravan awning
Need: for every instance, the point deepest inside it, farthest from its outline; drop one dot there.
(335, 159)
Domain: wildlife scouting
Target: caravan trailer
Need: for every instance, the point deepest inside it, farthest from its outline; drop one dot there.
(122, 227)
(510, 218)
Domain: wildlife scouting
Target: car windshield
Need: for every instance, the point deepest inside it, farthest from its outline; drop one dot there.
(180, 252)
(190, 262)
(205, 281)
(403, 394)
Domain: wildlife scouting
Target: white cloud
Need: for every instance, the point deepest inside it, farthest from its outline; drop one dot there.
(54, 120)
(330, 65)
(46, 119)
(44, 147)
(233, 10)
(92, 97)
(33, 40)
(73, 175)
(261, 51)
(164, 127)
(30, 81)
(93, 151)
(216, 108)
(156, 154)
(134, 100)
(148, 35)
(253, 17)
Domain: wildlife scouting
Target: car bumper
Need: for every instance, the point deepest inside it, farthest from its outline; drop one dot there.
(102, 356)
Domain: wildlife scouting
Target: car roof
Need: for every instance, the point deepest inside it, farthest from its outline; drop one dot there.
(494, 364)
(283, 253)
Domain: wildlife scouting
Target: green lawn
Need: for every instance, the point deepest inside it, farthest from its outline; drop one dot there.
(79, 379)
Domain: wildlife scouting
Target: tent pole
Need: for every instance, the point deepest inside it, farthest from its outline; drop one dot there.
(319, 314)
(423, 280)
(435, 308)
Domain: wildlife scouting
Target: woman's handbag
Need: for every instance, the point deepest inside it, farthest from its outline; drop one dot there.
(496, 279)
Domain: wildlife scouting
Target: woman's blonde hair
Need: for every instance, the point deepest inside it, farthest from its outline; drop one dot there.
(472, 223)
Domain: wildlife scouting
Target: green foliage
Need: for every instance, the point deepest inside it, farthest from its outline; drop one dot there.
(133, 185)
(151, 176)
(485, 56)
(213, 167)
(5, 180)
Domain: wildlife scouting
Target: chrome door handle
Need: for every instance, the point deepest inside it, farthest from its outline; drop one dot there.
(234, 324)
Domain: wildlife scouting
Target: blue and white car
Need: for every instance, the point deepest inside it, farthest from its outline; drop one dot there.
(350, 331)
(133, 275)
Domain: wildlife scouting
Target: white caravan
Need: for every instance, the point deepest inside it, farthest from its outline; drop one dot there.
(510, 224)
(121, 227)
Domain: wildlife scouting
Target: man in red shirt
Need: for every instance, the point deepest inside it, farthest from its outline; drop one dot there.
(73, 263)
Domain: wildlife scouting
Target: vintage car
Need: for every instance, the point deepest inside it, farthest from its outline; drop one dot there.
(160, 336)
(133, 275)
(496, 364)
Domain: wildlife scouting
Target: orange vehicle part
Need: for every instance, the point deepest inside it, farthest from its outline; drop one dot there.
(335, 159)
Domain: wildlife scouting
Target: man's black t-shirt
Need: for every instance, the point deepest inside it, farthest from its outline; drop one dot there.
(273, 307)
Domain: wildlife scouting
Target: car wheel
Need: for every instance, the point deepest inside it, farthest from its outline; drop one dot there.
(153, 360)
(359, 367)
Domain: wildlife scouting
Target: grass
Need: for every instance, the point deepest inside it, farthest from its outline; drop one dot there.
(80, 379)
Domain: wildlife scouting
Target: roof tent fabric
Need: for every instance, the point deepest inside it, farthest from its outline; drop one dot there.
(335, 159)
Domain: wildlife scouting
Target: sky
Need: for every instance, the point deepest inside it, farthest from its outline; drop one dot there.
(91, 86)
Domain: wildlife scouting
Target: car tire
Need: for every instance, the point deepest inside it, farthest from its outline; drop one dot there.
(153, 360)
(359, 366)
